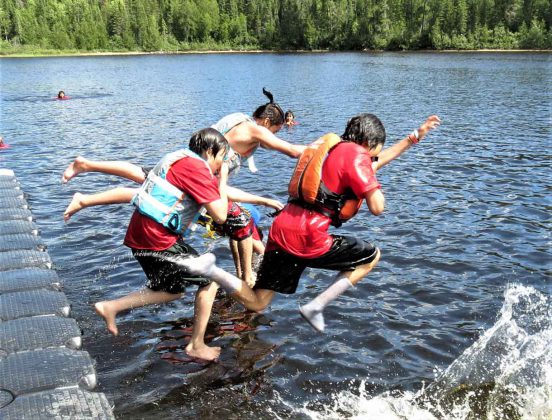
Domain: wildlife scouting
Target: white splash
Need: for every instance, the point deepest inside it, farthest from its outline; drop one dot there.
(505, 374)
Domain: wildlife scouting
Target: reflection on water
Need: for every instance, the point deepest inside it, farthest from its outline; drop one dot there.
(465, 237)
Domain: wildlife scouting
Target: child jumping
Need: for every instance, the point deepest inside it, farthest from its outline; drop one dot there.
(331, 180)
(244, 134)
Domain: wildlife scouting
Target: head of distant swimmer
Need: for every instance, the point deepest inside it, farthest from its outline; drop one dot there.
(289, 117)
(61, 94)
(211, 145)
(269, 115)
(366, 130)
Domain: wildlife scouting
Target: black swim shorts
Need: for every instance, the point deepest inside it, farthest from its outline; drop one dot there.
(165, 275)
(281, 271)
(239, 224)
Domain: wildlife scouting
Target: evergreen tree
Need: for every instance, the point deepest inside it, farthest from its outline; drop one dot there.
(290, 24)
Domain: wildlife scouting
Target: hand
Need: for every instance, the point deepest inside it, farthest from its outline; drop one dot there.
(223, 172)
(275, 204)
(431, 123)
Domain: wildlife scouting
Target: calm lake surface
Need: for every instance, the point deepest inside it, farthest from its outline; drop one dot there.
(455, 322)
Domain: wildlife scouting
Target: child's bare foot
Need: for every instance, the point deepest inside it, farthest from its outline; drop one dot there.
(76, 167)
(74, 206)
(203, 351)
(103, 309)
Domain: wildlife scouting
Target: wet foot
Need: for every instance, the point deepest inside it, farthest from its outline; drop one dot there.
(203, 352)
(313, 315)
(76, 167)
(74, 206)
(103, 310)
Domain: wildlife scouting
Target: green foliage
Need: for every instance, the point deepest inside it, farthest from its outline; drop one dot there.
(535, 36)
(176, 25)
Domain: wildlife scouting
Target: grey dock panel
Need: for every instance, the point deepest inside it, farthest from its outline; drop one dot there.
(32, 303)
(11, 193)
(9, 227)
(21, 241)
(13, 203)
(43, 375)
(28, 278)
(39, 332)
(70, 403)
(11, 260)
(9, 183)
(15, 214)
(37, 370)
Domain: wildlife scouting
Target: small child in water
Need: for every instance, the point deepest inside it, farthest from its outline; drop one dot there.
(289, 119)
(61, 95)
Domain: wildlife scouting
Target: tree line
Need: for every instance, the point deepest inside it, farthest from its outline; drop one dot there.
(174, 25)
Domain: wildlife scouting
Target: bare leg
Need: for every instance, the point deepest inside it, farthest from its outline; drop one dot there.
(258, 247)
(113, 196)
(108, 309)
(313, 311)
(118, 168)
(197, 348)
(204, 265)
(245, 250)
(236, 257)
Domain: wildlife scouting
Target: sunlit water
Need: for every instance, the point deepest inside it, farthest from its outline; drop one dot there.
(455, 321)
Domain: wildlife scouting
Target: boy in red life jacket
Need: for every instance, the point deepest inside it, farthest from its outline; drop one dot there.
(299, 236)
(158, 249)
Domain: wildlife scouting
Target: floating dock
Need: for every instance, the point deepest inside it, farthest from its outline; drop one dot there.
(44, 373)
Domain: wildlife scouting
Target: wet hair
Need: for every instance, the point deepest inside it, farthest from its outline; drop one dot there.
(270, 110)
(60, 92)
(208, 139)
(365, 130)
(288, 113)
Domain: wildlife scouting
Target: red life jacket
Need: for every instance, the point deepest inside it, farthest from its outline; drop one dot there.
(307, 189)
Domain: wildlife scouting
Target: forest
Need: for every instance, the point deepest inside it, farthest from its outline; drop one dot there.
(35, 26)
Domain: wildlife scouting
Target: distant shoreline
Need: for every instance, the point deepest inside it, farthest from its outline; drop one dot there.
(138, 53)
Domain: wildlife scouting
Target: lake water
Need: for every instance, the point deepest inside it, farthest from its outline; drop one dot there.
(454, 323)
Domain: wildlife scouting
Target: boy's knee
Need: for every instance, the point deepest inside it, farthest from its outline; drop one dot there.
(370, 265)
(260, 304)
(377, 257)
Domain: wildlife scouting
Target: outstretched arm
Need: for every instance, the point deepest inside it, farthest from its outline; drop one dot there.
(270, 141)
(236, 194)
(400, 147)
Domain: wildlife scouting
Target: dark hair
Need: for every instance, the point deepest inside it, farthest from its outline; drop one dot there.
(208, 139)
(365, 130)
(270, 110)
(60, 92)
(288, 113)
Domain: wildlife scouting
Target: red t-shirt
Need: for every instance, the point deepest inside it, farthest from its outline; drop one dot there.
(191, 176)
(303, 232)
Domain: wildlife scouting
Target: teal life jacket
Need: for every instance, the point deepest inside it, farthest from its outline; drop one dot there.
(161, 201)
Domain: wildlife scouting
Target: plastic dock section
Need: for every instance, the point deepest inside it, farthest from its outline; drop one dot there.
(44, 374)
